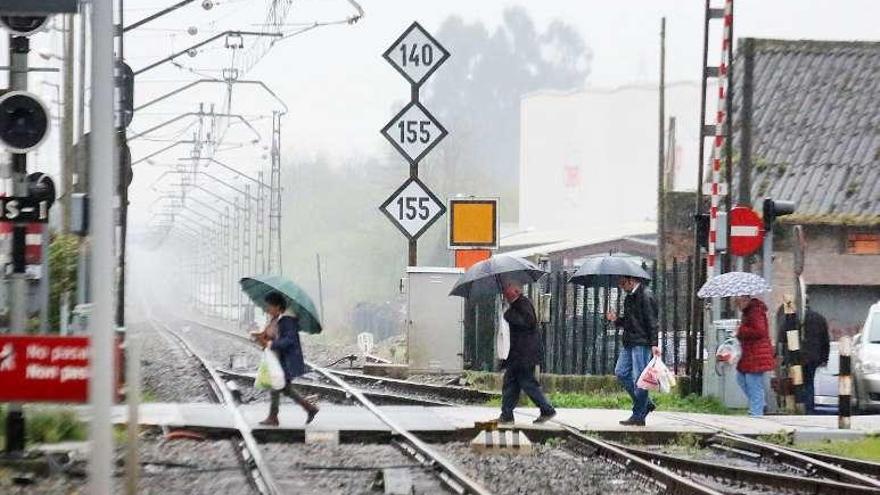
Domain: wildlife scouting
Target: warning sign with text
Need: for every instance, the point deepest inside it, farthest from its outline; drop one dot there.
(43, 369)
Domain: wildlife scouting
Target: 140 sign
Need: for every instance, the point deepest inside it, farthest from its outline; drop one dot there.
(416, 54)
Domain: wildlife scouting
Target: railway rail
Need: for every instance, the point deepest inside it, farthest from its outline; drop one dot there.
(257, 468)
(850, 471)
(454, 479)
(779, 482)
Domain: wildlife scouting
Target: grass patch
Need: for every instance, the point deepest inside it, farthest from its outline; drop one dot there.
(53, 427)
(47, 427)
(867, 448)
(620, 400)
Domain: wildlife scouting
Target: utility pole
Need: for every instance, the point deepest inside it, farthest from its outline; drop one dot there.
(661, 175)
(67, 162)
(19, 46)
(101, 323)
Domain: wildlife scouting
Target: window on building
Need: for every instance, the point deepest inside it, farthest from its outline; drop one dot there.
(863, 243)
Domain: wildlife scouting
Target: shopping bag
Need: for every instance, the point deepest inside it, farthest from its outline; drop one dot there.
(270, 374)
(650, 377)
(666, 378)
(502, 334)
(729, 351)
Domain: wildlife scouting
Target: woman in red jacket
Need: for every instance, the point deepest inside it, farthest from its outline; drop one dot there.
(757, 351)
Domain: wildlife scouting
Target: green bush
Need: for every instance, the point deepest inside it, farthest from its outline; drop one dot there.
(53, 427)
(63, 255)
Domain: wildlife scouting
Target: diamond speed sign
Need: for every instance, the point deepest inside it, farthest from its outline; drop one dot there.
(416, 54)
(413, 208)
(414, 132)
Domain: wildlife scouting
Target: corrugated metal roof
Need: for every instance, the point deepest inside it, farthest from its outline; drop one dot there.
(816, 128)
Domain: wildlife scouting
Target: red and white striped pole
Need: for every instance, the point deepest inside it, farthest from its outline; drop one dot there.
(720, 119)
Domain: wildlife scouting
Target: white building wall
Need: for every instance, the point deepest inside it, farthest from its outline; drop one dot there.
(590, 158)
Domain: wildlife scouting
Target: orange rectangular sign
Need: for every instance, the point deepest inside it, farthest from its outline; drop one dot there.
(473, 223)
(466, 258)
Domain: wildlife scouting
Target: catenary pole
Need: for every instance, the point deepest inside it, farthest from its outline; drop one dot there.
(101, 324)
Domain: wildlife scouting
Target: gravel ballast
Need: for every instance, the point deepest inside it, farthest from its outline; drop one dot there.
(545, 469)
(321, 469)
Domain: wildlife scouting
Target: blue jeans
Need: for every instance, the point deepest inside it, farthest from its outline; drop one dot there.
(752, 384)
(631, 361)
(808, 396)
(520, 378)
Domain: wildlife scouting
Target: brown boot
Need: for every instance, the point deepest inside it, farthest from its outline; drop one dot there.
(271, 420)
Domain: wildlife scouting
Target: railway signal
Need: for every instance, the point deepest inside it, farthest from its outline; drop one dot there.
(414, 132)
(24, 121)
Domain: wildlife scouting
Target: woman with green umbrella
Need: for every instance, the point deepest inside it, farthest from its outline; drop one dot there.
(282, 336)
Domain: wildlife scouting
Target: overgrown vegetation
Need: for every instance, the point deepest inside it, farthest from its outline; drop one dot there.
(620, 400)
(48, 426)
(867, 448)
(63, 255)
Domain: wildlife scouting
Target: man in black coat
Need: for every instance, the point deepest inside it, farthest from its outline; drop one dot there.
(639, 323)
(524, 355)
(814, 352)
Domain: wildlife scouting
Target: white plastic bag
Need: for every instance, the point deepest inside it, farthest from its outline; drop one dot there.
(666, 378)
(502, 334)
(729, 351)
(650, 377)
(270, 374)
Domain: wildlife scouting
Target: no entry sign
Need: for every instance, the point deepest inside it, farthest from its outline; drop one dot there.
(44, 369)
(746, 231)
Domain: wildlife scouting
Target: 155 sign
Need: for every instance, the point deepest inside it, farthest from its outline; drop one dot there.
(413, 208)
(414, 132)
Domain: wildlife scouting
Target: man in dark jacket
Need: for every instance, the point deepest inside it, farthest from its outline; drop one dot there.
(524, 355)
(814, 352)
(639, 322)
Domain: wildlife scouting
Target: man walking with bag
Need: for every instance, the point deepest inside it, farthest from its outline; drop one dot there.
(639, 323)
(524, 355)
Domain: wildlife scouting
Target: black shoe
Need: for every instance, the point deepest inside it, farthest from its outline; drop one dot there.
(633, 422)
(504, 421)
(651, 408)
(311, 415)
(543, 418)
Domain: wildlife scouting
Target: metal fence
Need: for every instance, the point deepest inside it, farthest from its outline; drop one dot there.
(579, 340)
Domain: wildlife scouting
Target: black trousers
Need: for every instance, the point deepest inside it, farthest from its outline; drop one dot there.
(520, 378)
(291, 392)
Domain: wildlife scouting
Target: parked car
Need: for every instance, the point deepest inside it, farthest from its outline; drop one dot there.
(866, 363)
(827, 381)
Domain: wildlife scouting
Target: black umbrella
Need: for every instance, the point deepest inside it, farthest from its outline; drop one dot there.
(601, 271)
(486, 276)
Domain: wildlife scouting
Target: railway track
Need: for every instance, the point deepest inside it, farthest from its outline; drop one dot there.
(426, 457)
(380, 389)
(848, 473)
(256, 466)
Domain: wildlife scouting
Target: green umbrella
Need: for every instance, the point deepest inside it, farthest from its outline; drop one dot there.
(298, 301)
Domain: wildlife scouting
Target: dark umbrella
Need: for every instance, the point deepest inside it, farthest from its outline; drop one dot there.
(298, 301)
(601, 271)
(486, 276)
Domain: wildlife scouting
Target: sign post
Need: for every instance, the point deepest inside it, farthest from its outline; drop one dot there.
(414, 132)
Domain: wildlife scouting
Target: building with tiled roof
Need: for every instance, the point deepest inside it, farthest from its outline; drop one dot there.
(816, 140)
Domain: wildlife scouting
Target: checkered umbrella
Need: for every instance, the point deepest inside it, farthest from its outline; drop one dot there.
(734, 284)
